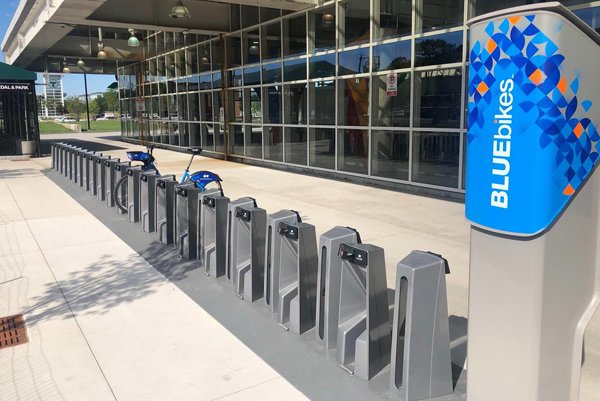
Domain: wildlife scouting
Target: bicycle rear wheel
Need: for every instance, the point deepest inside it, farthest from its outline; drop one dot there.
(120, 193)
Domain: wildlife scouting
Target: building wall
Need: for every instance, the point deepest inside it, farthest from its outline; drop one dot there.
(309, 89)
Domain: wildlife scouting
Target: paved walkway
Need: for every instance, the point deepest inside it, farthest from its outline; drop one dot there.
(91, 336)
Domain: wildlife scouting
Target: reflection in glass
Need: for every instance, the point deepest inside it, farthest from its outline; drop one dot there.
(439, 49)
(254, 141)
(394, 19)
(389, 154)
(205, 81)
(273, 146)
(323, 21)
(237, 107)
(216, 77)
(322, 102)
(236, 77)
(294, 37)
(590, 16)
(295, 103)
(353, 152)
(391, 111)
(355, 27)
(487, 6)
(252, 75)
(206, 109)
(272, 41)
(271, 73)
(354, 61)
(435, 158)
(322, 66)
(353, 102)
(295, 145)
(294, 70)
(220, 139)
(208, 136)
(195, 138)
(440, 14)
(251, 48)
(272, 110)
(437, 98)
(204, 63)
(237, 144)
(217, 105)
(191, 61)
(392, 56)
(216, 54)
(252, 99)
(322, 148)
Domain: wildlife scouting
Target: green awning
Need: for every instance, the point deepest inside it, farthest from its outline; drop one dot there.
(114, 85)
(11, 73)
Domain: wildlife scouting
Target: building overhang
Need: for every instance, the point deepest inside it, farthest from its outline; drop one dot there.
(44, 33)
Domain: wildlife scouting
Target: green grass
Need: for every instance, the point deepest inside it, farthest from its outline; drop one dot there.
(50, 127)
(107, 125)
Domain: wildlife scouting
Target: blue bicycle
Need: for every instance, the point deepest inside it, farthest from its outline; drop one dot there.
(201, 179)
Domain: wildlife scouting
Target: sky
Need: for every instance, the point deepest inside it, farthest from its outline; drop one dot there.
(72, 83)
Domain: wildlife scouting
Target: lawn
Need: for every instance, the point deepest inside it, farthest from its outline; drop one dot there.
(50, 127)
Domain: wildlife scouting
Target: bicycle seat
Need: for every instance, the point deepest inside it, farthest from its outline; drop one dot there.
(194, 151)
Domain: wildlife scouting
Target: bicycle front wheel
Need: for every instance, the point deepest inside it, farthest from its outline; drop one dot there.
(120, 193)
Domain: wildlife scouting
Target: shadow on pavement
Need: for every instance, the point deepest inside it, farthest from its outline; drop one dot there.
(89, 145)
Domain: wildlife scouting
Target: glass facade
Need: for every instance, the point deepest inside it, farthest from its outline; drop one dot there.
(310, 88)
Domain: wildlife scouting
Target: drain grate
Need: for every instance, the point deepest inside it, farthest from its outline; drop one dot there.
(12, 331)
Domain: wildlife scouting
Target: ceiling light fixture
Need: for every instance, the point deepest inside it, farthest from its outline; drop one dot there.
(101, 53)
(80, 63)
(66, 69)
(179, 11)
(328, 19)
(133, 40)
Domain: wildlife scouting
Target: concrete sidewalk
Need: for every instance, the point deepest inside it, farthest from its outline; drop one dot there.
(103, 324)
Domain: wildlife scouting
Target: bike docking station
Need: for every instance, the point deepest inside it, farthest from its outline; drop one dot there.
(245, 202)
(328, 283)
(100, 179)
(165, 207)
(94, 165)
(111, 180)
(212, 232)
(186, 223)
(363, 334)
(246, 245)
(77, 165)
(532, 198)
(272, 255)
(297, 285)
(120, 171)
(148, 200)
(133, 193)
(421, 366)
(86, 164)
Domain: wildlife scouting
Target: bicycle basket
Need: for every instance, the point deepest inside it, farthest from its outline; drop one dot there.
(138, 156)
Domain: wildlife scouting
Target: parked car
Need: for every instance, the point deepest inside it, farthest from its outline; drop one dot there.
(65, 119)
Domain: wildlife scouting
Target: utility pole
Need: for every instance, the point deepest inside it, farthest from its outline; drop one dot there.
(87, 102)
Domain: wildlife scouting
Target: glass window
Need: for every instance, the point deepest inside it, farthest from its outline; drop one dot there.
(273, 146)
(487, 6)
(217, 104)
(208, 136)
(440, 14)
(322, 66)
(439, 49)
(237, 144)
(151, 45)
(216, 79)
(251, 48)
(192, 84)
(205, 81)
(437, 98)
(194, 107)
(272, 109)
(435, 158)
(252, 97)
(322, 148)
(252, 75)
(204, 58)
(206, 106)
(389, 154)
(591, 16)
(353, 101)
(170, 65)
(237, 106)
(169, 41)
(160, 42)
(271, 41)
(391, 111)
(295, 145)
(236, 77)
(249, 16)
(160, 68)
(395, 18)
(323, 22)
(355, 29)
(354, 61)
(215, 52)
(172, 99)
(234, 49)
(353, 152)
(254, 141)
(392, 56)
(220, 139)
(295, 103)
(294, 70)
(267, 14)
(235, 17)
(294, 36)
(271, 73)
(322, 102)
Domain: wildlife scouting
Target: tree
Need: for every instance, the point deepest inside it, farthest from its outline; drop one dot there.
(94, 107)
(101, 103)
(112, 100)
(75, 106)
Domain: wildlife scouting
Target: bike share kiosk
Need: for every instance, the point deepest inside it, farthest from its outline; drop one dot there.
(421, 367)
(94, 164)
(533, 198)
(273, 255)
(328, 283)
(86, 170)
(111, 180)
(298, 265)
(212, 234)
(247, 241)
(133, 193)
(232, 228)
(186, 224)
(100, 179)
(81, 163)
(120, 172)
(148, 200)
(165, 202)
